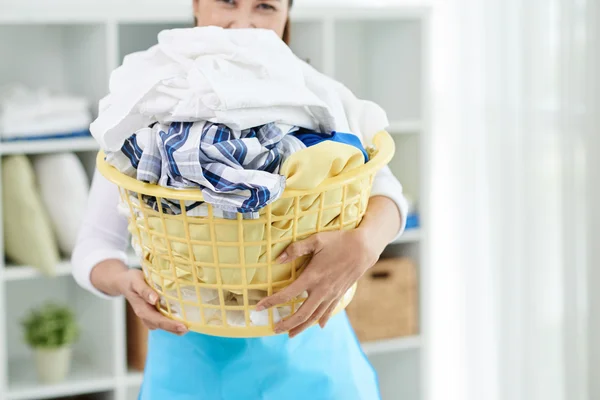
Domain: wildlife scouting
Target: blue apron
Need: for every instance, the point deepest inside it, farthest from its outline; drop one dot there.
(318, 364)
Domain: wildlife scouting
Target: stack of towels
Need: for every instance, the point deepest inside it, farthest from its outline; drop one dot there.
(236, 114)
(27, 114)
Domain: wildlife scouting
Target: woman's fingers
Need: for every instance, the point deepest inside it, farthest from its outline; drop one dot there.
(303, 314)
(143, 300)
(310, 321)
(328, 313)
(141, 288)
(301, 248)
(286, 295)
(154, 319)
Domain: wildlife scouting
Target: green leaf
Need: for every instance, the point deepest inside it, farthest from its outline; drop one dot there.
(50, 326)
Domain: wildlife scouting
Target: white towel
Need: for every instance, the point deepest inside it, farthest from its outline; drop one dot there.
(18, 101)
(242, 78)
(29, 127)
(25, 112)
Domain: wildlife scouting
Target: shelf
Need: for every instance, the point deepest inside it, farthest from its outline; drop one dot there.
(134, 378)
(405, 127)
(391, 345)
(23, 383)
(409, 236)
(19, 273)
(181, 12)
(49, 146)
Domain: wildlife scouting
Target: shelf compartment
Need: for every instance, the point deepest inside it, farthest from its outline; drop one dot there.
(402, 375)
(307, 42)
(96, 345)
(21, 272)
(69, 58)
(381, 61)
(135, 37)
(83, 379)
(407, 127)
(406, 164)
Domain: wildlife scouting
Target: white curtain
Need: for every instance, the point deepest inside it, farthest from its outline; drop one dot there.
(510, 307)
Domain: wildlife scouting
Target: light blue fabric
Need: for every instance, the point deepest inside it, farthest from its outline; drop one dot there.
(319, 364)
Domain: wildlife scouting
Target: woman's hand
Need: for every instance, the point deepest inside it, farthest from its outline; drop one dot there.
(114, 278)
(143, 300)
(339, 259)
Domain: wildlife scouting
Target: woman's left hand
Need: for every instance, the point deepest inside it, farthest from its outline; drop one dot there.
(339, 259)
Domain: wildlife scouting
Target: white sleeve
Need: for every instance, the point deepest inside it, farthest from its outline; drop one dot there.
(103, 234)
(386, 184)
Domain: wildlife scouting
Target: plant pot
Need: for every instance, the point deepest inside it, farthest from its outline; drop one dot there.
(52, 365)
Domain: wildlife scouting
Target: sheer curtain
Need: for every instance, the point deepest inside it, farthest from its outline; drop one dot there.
(510, 311)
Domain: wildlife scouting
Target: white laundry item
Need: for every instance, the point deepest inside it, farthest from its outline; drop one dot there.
(60, 124)
(18, 101)
(26, 112)
(241, 78)
(235, 318)
(261, 318)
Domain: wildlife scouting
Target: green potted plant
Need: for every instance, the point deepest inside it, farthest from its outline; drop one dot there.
(50, 331)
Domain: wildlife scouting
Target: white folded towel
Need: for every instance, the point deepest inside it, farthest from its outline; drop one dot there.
(26, 112)
(242, 78)
(59, 124)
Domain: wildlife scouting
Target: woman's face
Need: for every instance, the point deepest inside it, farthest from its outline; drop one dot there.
(266, 14)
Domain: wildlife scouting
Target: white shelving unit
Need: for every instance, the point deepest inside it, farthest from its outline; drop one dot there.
(391, 345)
(73, 45)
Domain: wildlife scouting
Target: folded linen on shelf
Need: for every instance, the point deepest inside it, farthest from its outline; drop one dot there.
(36, 114)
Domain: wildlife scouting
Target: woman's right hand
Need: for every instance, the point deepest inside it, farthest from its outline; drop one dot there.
(132, 285)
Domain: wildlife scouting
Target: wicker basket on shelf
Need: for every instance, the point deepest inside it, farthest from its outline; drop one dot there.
(385, 305)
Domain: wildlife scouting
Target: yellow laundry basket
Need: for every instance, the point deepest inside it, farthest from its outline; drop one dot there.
(210, 272)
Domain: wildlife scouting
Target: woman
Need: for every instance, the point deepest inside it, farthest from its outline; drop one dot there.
(324, 361)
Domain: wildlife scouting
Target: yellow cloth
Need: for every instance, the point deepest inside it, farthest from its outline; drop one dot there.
(303, 170)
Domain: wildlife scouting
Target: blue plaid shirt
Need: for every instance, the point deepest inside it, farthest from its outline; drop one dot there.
(236, 170)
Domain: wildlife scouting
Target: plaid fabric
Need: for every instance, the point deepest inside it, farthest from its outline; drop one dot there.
(236, 170)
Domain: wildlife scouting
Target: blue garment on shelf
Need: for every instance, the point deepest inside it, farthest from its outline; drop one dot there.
(318, 364)
(65, 135)
(310, 138)
(412, 221)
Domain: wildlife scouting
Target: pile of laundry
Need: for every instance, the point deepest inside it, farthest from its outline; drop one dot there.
(33, 114)
(213, 315)
(236, 114)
